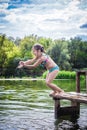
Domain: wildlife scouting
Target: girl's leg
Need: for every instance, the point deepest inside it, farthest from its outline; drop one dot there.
(50, 77)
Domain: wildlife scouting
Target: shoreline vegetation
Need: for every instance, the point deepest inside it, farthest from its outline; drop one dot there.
(69, 55)
(62, 75)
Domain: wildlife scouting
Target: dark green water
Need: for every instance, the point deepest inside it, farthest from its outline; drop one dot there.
(26, 105)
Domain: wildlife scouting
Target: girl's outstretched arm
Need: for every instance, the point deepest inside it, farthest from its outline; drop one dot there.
(38, 62)
(31, 61)
(22, 63)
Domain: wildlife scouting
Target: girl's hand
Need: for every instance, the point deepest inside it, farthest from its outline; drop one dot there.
(21, 64)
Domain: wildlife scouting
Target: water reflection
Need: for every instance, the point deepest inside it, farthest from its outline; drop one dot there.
(26, 105)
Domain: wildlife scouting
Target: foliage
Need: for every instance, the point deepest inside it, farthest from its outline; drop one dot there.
(59, 53)
(63, 75)
(26, 46)
(68, 54)
(78, 53)
(8, 52)
(27, 43)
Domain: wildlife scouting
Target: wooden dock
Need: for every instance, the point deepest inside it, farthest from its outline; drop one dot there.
(75, 97)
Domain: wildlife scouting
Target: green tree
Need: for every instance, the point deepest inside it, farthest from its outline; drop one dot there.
(26, 46)
(59, 53)
(8, 51)
(3, 55)
(46, 42)
(78, 53)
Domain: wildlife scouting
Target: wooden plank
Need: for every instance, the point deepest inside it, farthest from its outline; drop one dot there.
(81, 71)
(78, 94)
(77, 97)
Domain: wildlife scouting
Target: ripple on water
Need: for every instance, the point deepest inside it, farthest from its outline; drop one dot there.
(28, 108)
(27, 120)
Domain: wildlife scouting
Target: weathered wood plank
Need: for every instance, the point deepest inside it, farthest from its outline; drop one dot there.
(81, 71)
(76, 97)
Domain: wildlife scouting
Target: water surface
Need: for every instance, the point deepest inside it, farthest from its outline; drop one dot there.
(26, 105)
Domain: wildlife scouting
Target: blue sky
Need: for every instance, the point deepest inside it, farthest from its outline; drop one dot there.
(47, 18)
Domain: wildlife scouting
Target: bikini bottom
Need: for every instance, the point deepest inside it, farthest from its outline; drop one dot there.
(54, 68)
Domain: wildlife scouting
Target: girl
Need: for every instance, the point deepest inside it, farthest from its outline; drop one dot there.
(42, 59)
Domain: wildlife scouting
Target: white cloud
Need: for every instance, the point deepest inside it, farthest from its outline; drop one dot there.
(43, 1)
(46, 19)
(3, 5)
(3, 9)
(4, 0)
(2, 27)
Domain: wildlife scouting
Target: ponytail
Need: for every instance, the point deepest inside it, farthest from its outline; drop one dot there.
(38, 47)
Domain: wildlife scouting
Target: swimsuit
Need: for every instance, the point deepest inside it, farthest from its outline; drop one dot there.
(43, 63)
(54, 68)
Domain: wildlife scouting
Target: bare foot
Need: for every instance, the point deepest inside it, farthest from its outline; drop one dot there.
(59, 93)
(52, 93)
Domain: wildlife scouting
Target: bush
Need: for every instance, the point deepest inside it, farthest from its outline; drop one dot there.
(63, 75)
(66, 75)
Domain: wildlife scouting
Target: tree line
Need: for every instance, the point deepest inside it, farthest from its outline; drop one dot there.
(68, 54)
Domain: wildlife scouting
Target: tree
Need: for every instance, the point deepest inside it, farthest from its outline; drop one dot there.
(8, 52)
(59, 53)
(3, 55)
(78, 53)
(26, 46)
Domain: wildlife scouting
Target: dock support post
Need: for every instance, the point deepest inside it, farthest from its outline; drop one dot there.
(72, 110)
(57, 107)
(78, 73)
(77, 82)
(86, 81)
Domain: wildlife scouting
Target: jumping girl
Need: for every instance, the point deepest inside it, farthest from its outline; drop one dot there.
(42, 59)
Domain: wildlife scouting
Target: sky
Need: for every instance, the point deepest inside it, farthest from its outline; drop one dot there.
(47, 18)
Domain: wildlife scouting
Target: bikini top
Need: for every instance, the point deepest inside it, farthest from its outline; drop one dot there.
(43, 63)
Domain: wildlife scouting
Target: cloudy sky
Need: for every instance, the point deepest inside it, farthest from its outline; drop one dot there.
(47, 18)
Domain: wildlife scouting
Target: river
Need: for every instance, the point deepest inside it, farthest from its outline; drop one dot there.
(26, 105)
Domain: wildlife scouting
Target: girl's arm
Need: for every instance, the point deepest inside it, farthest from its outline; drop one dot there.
(22, 63)
(29, 61)
(34, 65)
